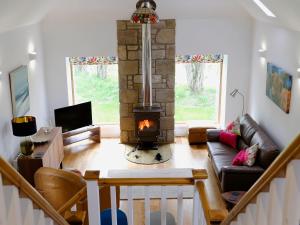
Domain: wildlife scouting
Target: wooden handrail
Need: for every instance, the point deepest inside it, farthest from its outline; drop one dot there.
(11, 175)
(196, 174)
(82, 194)
(204, 201)
(291, 152)
(211, 215)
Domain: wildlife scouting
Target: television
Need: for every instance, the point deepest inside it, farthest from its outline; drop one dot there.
(74, 117)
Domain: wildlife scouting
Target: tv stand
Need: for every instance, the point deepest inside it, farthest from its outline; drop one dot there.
(89, 132)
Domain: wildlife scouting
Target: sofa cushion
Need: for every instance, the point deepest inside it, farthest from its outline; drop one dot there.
(268, 150)
(248, 128)
(221, 155)
(220, 161)
(217, 148)
(213, 134)
(228, 138)
(246, 157)
(234, 127)
(241, 144)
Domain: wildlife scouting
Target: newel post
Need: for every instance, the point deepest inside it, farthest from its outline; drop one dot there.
(198, 209)
(92, 178)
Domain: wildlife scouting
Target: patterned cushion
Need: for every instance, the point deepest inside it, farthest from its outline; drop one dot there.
(251, 155)
(246, 157)
(234, 127)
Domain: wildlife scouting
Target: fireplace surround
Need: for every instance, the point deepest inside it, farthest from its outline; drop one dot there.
(131, 80)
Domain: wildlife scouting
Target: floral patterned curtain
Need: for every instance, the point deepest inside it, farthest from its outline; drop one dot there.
(210, 58)
(93, 60)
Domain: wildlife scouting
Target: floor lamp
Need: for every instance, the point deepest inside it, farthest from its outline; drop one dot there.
(234, 93)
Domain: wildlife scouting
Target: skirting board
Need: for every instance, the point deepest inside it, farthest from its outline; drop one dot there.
(155, 191)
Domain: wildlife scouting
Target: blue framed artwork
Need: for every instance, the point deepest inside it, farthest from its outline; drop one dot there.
(279, 86)
(19, 88)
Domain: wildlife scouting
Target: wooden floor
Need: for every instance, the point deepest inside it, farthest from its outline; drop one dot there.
(109, 154)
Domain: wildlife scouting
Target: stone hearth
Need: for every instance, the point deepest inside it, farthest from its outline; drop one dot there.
(130, 76)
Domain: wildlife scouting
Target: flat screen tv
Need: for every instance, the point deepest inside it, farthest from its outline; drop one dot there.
(74, 117)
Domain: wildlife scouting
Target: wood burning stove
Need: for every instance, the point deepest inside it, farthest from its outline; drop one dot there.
(147, 126)
(147, 117)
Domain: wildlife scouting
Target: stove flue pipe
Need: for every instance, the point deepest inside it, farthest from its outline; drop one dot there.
(145, 14)
(147, 65)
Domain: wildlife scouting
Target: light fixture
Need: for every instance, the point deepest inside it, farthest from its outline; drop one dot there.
(145, 12)
(262, 52)
(298, 71)
(264, 8)
(32, 55)
(234, 93)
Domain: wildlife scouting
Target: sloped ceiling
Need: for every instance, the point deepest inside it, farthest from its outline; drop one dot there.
(287, 12)
(16, 13)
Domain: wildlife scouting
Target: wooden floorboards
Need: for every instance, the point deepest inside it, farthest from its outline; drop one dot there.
(109, 154)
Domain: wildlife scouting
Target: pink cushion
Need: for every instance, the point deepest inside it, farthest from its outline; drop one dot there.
(240, 158)
(228, 138)
(246, 157)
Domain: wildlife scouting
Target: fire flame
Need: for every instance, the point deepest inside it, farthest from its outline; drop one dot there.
(145, 124)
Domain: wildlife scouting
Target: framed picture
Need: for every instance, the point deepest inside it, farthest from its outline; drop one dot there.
(279, 87)
(19, 88)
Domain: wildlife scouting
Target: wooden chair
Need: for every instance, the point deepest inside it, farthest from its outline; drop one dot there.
(63, 189)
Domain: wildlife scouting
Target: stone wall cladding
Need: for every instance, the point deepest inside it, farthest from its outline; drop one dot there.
(130, 75)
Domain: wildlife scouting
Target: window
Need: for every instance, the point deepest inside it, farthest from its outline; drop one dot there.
(198, 88)
(95, 79)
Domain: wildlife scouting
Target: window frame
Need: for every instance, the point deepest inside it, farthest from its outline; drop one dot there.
(220, 94)
(73, 83)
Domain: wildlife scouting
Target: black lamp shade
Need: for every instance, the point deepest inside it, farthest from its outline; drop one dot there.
(23, 126)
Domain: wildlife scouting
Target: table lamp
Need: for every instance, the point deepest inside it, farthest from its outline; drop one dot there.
(24, 126)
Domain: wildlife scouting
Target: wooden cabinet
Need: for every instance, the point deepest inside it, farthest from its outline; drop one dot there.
(49, 154)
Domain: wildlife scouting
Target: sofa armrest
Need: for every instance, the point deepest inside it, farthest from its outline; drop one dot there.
(213, 134)
(239, 178)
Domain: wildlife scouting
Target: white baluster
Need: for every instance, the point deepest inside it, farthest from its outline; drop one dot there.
(39, 217)
(147, 206)
(12, 202)
(251, 214)
(291, 214)
(130, 206)
(93, 202)
(163, 206)
(3, 215)
(241, 219)
(262, 203)
(49, 221)
(180, 206)
(196, 207)
(113, 205)
(276, 202)
(27, 211)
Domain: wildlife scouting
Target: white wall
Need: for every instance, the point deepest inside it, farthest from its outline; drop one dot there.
(73, 36)
(232, 37)
(67, 35)
(283, 49)
(14, 47)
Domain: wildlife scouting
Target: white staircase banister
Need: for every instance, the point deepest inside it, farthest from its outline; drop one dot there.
(276, 169)
(14, 178)
(92, 178)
